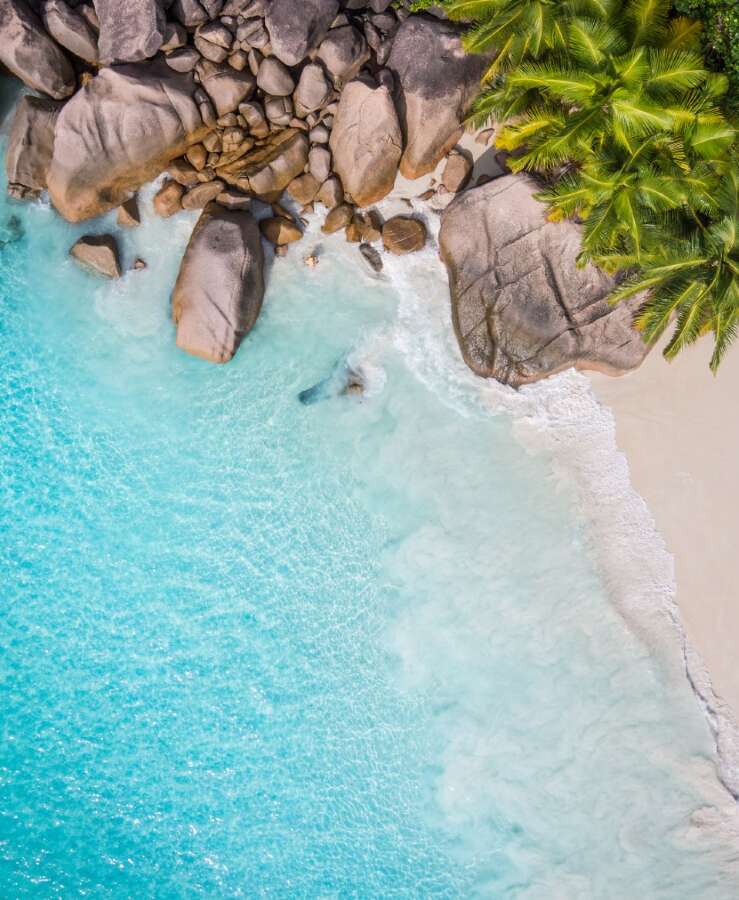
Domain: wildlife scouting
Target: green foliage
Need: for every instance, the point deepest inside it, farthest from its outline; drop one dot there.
(720, 20)
(613, 102)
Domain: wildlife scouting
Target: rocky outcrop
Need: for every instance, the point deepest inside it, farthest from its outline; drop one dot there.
(98, 253)
(30, 146)
(119, 132)
(521, 307)
(268, 170)
(295, 33)
(220, 287)
(30, 54)
(70, 29)
(130, 34)
(436, 83)
(366, 142)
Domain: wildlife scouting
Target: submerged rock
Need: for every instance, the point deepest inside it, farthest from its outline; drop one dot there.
(373, 258)
(521, 307)
(344, 379)
(30, 146)
(118, 132)
(366, 142)
(436, 83)
(220, 287)
(98, 253)
(30, 54)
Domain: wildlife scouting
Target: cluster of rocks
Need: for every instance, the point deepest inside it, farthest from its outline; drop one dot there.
(240, 102)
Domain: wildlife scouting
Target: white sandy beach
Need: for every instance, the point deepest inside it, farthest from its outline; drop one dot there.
(679, 429)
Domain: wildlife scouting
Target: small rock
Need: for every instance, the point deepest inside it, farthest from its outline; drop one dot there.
(314, 89)
(303, 189)
(319, 135)
(199, 197)
(311, 261)
(331, 193)
(139, 263)
(197, 156)
(99, 253)
(402, 234)
(128, 213)
(457, 172)
(183, 172)
(354, 230)
(175, 37)
(274, 78)
(319, 163)
(372, 256)
(339, 217)
(168, 199)
(279, 231)
(183, 60)
(279, 110)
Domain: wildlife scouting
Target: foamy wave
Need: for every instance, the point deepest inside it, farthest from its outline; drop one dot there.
(562, 418)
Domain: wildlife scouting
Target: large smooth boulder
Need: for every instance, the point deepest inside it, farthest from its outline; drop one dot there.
(220, 287)
(297, 29)
(118, 132)
(436, 82)
(30, 54)
(30, 146)
(226, 87)
(366, 142)
(70, 29)
(130, 31)
(521, 307)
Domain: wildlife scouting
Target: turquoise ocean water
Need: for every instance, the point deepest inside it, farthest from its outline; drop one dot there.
(256, 648)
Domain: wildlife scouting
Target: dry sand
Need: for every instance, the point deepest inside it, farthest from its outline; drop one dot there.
(679, 428)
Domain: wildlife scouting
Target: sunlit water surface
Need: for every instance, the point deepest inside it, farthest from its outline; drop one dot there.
(257, 648)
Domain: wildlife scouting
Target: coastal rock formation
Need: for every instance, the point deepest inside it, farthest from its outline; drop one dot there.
(436, 83)
(119, 132)
(129, 35)
(295, 33)
(30, 146)
(30, 54)
(366, 142)
(98, 253)
(267, 171)
(521, 308)
(343, 52)
(220, 287)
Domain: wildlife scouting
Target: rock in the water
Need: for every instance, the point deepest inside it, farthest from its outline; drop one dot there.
(343, 51)
(30, 54)
(331, 193)
(293, 32)
(373, 258)
(128, 213)
(70, 29)
(98, 253)
(366, 142)
(30, 146)
(402, 234)
(457, 172)
(436, 84)
(220, 287)
(201, 195)
(119, 132)
(303, 189)
(131, 35)
(339, 217)
(522, 309)
(280, 231)
(168, 199)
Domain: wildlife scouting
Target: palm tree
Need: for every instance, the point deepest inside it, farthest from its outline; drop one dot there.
(692, 276)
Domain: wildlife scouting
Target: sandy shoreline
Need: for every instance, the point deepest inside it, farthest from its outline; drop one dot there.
(676, 424)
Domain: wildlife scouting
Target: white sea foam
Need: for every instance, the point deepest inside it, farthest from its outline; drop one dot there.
(562, 418)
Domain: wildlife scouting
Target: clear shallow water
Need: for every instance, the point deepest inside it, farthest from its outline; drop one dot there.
(254, 648)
